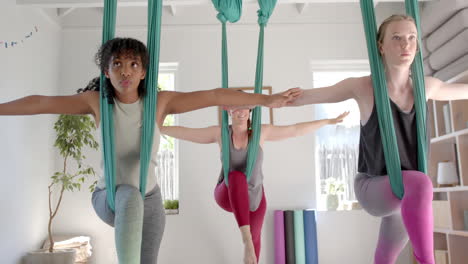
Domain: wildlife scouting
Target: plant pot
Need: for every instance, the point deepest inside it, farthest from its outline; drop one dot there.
(332, 202)
(43, 256)
(172, 211)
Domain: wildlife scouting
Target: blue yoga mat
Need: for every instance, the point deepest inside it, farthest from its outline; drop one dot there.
(310, 234)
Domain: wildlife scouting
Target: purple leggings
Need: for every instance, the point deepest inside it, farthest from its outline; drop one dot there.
(411, 216)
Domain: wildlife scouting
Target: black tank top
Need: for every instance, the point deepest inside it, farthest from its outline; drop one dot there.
(371, 156)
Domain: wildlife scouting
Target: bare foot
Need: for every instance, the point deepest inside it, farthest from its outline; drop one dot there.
(249, 254)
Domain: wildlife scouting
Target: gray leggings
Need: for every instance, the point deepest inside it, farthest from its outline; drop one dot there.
(376, 197)
(154, 217)
(411, 217)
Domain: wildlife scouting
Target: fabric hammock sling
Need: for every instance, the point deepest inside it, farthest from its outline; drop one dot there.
(229, 10)
(149, 102)
(382, 102)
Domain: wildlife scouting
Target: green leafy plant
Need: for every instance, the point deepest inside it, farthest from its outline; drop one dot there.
(334, 187)
(171, 204)
(74, 132)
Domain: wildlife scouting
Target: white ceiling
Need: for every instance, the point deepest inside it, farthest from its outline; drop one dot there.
(88, 13)
(133, 3)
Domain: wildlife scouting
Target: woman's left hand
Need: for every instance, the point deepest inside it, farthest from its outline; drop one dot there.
(283, 98)
(339, 118)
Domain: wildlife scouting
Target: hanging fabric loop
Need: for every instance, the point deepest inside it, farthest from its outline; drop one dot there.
(149, 102)
(382, 100)
(227, 11)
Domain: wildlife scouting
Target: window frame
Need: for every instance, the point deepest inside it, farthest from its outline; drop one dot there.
(351, 65)
(172, 68)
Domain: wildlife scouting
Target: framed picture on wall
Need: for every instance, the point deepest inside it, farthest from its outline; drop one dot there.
(267, 113)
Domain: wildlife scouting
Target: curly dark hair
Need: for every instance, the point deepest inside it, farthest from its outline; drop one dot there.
(117, 47)
(93, 85)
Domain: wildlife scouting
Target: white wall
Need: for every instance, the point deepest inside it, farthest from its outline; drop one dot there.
(26, 154)
(202, 233)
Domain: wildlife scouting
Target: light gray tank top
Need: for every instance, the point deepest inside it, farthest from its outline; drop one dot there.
(238, 162)
(127, 134)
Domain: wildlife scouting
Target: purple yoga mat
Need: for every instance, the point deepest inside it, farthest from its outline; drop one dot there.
(280, 250)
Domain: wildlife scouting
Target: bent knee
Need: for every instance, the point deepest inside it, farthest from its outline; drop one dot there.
(236, 176)
(416, 182)
(128, 196)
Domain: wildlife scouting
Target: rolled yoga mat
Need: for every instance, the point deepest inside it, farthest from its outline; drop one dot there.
(310, 235)
(299, 237)
(280, 250)
(289, 235)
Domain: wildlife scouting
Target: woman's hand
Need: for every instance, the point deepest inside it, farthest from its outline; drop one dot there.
(283, 98)
(338, 119)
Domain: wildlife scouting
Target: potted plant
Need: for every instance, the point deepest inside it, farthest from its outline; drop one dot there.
(74, 132)
(333, 188)
(171, 206)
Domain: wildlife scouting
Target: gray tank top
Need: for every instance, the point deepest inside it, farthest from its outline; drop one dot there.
(371, 156)
(127, 134)
(238, 162)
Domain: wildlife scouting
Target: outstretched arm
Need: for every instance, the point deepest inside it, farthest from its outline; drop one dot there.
(274, 133)
(293, 93)
(205, 135)
(338, 92)
(439, 90)
(38, 104)
(178, 102)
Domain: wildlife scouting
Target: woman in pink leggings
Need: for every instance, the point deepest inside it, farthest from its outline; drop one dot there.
(412, 216)
(245, 199)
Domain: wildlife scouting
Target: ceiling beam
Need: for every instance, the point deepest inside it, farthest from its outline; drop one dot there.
(172, 9)
(301, 7)
(51, 16)
(62, 12)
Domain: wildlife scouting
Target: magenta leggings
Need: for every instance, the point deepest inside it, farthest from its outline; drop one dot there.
(411, 216)
(235, 199)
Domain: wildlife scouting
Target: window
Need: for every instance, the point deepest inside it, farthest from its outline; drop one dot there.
(167, 169)
(337, 146)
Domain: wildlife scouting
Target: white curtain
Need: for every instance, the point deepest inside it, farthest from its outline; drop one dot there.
(167, 176)
(338, 158)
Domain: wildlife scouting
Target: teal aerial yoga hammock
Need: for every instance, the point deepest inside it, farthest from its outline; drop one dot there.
(382, 102)
(227, 11)
(231, 11)
(149, 102)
